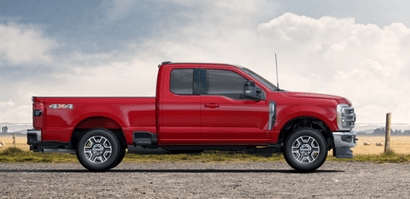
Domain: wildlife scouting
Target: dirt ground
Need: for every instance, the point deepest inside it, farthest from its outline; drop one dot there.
(204, 180)
(211, 180)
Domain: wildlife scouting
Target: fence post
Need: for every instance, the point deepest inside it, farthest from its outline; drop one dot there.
(14, 139)
(388, 130)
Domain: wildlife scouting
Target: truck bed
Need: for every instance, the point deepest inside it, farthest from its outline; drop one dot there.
(64, 114)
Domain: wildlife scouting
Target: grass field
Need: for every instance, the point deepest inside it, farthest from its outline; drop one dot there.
(19, 152)
(21, 142)
(399, 144)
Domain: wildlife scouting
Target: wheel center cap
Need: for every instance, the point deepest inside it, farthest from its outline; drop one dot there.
(305, 149)
(97, 149)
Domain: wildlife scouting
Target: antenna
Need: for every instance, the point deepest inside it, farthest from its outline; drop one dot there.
(277, 76)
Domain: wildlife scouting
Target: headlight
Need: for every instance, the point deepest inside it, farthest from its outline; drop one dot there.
(345, 117)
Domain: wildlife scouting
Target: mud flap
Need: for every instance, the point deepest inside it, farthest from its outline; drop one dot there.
(344, 141)
(342, 152)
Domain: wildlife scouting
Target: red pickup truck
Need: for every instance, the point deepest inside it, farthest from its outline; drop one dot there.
(198, 106)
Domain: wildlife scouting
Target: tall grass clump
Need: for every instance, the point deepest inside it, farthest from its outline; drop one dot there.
(12, 151)
(16, 155)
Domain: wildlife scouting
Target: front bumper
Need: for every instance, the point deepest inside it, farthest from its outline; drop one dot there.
(344, 141)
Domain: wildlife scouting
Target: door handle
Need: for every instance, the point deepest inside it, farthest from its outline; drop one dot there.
(212, 105)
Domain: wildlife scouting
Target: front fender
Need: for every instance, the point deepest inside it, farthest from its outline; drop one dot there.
(287, 113)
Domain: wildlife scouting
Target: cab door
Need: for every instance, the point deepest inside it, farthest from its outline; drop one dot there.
(179, 121)
(227, 117)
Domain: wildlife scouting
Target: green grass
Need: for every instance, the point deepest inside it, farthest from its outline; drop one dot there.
(219, 157)
(16, 155)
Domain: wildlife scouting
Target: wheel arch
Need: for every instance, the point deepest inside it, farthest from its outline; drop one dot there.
(96, 122)
(306, 122)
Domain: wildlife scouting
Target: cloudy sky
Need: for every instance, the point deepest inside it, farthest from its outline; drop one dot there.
(355, 49)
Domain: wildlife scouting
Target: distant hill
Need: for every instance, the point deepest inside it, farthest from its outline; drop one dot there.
(16, 128)
(401, 129)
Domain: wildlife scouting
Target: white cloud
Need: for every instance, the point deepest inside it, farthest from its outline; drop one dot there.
(361, 62)
(122, 78)
(365, 63)
(24, 57)
(22, 44)
(12, 112)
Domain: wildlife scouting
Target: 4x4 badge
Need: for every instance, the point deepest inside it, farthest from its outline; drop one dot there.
(57, 106)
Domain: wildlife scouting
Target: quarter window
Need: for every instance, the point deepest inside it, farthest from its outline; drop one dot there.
(182, 81)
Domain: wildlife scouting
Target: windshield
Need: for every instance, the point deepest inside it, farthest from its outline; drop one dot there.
(260, 79)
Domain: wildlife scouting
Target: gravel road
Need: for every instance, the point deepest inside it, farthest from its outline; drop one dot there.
(204, 180)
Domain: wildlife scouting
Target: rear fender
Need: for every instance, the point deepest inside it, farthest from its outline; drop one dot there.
(89, 116)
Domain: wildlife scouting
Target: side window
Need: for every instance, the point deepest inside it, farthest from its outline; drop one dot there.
(182, 81)
(226, 83)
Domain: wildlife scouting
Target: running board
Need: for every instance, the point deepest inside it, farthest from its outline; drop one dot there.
(70, 151)
(144, 138)
(264, 151)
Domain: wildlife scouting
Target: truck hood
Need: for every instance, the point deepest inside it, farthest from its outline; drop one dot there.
(312, 95)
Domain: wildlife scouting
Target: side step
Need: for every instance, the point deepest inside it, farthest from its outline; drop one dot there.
(267, 151)
(144, 138)
(264, 150)
(70, 151)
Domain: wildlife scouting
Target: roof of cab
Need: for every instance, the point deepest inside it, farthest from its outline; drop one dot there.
(193, 63)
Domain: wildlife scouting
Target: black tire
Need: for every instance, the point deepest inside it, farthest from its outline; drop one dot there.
(98, 149)
(119, 158)
(305, 150)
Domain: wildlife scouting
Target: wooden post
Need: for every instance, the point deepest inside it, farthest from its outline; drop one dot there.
(388, 130)
(14, 139)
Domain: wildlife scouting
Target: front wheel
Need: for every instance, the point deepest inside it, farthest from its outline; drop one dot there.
(305, 150)
(98, 150)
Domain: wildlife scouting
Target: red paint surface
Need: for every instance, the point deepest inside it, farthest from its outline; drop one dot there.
(184, 119)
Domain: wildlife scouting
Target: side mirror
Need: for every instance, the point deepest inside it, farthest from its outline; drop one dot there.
(251, 91)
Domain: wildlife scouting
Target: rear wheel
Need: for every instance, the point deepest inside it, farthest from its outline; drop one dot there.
(119, 158)
(98, 150)
(305, 150)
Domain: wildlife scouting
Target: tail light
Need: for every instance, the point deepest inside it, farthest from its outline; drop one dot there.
(38, 112)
